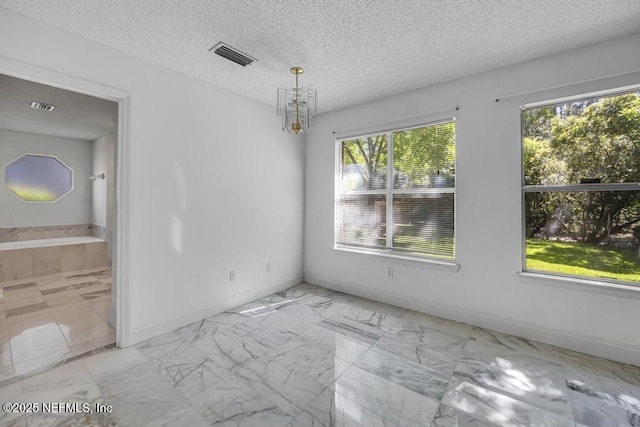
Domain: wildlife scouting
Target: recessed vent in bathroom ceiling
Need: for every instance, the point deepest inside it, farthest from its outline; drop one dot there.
(42, 106)
(232, 54)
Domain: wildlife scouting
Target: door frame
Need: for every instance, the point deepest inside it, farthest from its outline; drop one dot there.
(122, 167)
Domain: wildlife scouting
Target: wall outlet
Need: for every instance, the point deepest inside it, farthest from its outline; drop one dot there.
(268, 267)
(390, 272)
(232, 275)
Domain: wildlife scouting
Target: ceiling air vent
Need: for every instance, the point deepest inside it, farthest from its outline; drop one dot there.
(42, 106)
(232, 54)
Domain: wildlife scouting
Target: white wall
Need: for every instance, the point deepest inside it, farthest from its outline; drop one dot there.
(211, 191)
(102, 158)
(71, 209)
(486, 290)
(102, 190)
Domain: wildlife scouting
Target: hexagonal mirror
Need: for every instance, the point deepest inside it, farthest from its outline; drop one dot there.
(38, 178)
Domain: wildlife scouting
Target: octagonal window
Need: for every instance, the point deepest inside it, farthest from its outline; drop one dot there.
(38, 178)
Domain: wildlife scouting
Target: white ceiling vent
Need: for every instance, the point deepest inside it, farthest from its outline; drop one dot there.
(232, 54)
(42, 106)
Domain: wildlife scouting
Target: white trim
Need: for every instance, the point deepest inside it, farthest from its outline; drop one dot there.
(73, 83)
(583, 285)
(173, 323)
(123, 219)
(586, 344)
(588, 95)
(400, 259)
(375, 128)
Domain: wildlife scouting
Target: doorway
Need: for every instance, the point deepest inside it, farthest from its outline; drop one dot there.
(92, 289)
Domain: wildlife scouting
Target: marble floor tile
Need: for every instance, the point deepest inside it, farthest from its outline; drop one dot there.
(449, 417)
(333, 409)
(140, 395)
(114, 362)
(422, 353)
(385, 398)
(325, 341)
(80, 323)
(95, 341)
(48, 360)
(102, 306)
(30, 337)
(88, 396)
(536, 381)
(65, 297)
(233, 402)
(187, 368)
(352, 329)
(306, 356)
(11, 393)
(33, 318)
(408, 374)
(312, 362)
(57, 383)
(289, 389)
(494, 407)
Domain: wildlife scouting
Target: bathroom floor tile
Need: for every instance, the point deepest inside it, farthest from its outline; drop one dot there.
(35, 313)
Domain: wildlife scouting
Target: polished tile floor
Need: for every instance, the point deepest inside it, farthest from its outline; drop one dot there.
(308, 356)
(47, 319)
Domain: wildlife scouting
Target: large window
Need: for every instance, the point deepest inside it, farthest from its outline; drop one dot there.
(581, 193)
(395, 192)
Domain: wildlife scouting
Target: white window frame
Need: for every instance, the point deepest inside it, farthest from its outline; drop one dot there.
(389, 192)
(596, 282)
(71, 187)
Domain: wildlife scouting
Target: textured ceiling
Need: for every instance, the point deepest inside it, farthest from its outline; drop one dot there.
(352, 50)
(75, 116)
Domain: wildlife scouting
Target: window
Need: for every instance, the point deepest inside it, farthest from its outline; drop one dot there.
(38, 178)
(395, 192)
(581, 194)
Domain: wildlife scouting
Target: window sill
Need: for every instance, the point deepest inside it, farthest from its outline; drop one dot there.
(400, 259)
(583, 285)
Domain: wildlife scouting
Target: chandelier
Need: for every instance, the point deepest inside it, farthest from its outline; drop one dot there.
(296, 106)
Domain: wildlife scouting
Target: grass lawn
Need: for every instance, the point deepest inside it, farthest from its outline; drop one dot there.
(581, 259)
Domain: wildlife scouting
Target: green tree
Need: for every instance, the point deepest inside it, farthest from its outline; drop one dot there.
(368, 155)
(421, 155)
(596, 140)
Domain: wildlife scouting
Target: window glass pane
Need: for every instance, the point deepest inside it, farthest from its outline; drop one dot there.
(593, 140)
(38, 178)
(363, 221)
(423, 224)
(364, 163)
(593, 233)
(424, 157)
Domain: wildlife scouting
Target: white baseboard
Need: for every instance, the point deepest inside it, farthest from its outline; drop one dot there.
(584, 344)
(167, 325)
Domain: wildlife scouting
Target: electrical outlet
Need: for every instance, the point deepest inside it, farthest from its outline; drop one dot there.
(232, 275)
(390, 272)
(268, 268)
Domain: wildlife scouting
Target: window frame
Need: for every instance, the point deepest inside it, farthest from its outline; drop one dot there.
(389, 192)
(564, 278)
(71, 187)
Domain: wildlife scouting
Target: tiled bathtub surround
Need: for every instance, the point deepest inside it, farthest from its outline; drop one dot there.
(68, 254)
(44, 232)
(45, 320)
(308, 356)
(99, 231)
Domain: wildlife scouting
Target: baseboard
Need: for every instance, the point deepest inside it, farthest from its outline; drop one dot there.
(167, 325)
(584, 344)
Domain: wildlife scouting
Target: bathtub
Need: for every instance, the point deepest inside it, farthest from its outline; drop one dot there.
(31, 258)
